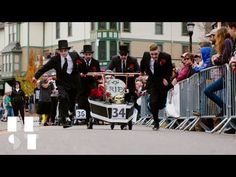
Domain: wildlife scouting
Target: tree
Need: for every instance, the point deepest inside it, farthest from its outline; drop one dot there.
(26, 81)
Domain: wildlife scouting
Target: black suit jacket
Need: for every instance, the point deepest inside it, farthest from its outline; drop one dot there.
(68, 82)
(131, 64)
(90, 82)
(162, 69)
(130, 67)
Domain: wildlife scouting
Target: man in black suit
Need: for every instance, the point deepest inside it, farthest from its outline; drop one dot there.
(88, 82)
(126, 64)
(158, 66)
(67, 66)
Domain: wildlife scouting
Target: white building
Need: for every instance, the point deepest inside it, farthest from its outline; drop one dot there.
(18, 40)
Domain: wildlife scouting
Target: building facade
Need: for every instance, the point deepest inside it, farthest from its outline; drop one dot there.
(19, 40)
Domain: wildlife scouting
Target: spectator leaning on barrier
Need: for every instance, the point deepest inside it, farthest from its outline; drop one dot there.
(187, 70)
(198, 60)
(211, 37)
(231, 27)
(206, 57)
(223, 48)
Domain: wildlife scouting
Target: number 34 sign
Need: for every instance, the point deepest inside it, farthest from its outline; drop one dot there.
(119, 112)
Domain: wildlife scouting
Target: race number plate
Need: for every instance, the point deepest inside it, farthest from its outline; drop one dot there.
(119, 112)
(80, 114)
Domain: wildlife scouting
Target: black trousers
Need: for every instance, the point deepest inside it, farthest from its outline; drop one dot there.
(53, 112)
(84, 104)
(66, 98)
(17, 108)
(157, 102)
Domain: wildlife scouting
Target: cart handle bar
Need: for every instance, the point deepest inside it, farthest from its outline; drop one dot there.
(110, 73)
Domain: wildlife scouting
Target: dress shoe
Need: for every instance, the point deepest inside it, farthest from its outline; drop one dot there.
(66, 126)
(156, 127)
(90, 125)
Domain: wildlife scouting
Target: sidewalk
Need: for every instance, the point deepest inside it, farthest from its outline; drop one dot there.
(3, 125)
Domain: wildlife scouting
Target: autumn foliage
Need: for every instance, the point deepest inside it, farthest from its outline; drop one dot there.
(26, 81)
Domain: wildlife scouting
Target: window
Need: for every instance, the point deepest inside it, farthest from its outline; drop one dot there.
(102, 50)
(69, 28)
(126, 27)
(57, 30)
(92, 26)
(101, 25)
(159, 28)
(113, 48)
(184, 29)
(185, 48)
(6, 63)
(113, 26)
(12, 33)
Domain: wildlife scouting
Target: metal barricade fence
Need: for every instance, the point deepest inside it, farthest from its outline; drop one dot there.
(208, 108)
(230, 112)
(183, 119)
(145, 114)
(193, 98)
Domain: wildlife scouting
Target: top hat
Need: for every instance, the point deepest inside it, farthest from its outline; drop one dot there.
(63, 44)
(124, 49)
(87, 49)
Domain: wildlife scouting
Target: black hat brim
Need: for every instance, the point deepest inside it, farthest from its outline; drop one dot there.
(87, 52)
(64, 48)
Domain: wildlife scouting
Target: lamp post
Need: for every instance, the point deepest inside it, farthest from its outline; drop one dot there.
(190, 26)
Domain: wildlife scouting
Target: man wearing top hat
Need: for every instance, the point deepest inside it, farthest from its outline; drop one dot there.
(88, 82)
(125, 64)
(68, 65)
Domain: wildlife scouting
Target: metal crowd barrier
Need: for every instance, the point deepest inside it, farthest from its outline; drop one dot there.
(192, 98)
(146, 115)
(230, 100)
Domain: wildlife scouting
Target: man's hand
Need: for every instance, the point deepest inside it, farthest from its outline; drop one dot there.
(131, 75)
(165, 82)
(34, 80)
(82, 75)
(174, 82)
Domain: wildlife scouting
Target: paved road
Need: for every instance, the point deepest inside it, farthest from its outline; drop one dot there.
(102, 140)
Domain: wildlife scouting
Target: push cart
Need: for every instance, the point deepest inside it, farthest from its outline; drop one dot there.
(117, 112)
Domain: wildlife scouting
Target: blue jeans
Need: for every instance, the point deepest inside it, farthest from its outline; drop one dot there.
(213, 87)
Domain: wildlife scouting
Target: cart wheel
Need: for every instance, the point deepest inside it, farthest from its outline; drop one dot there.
(112, 126)
(122, 126)
(130, 125)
